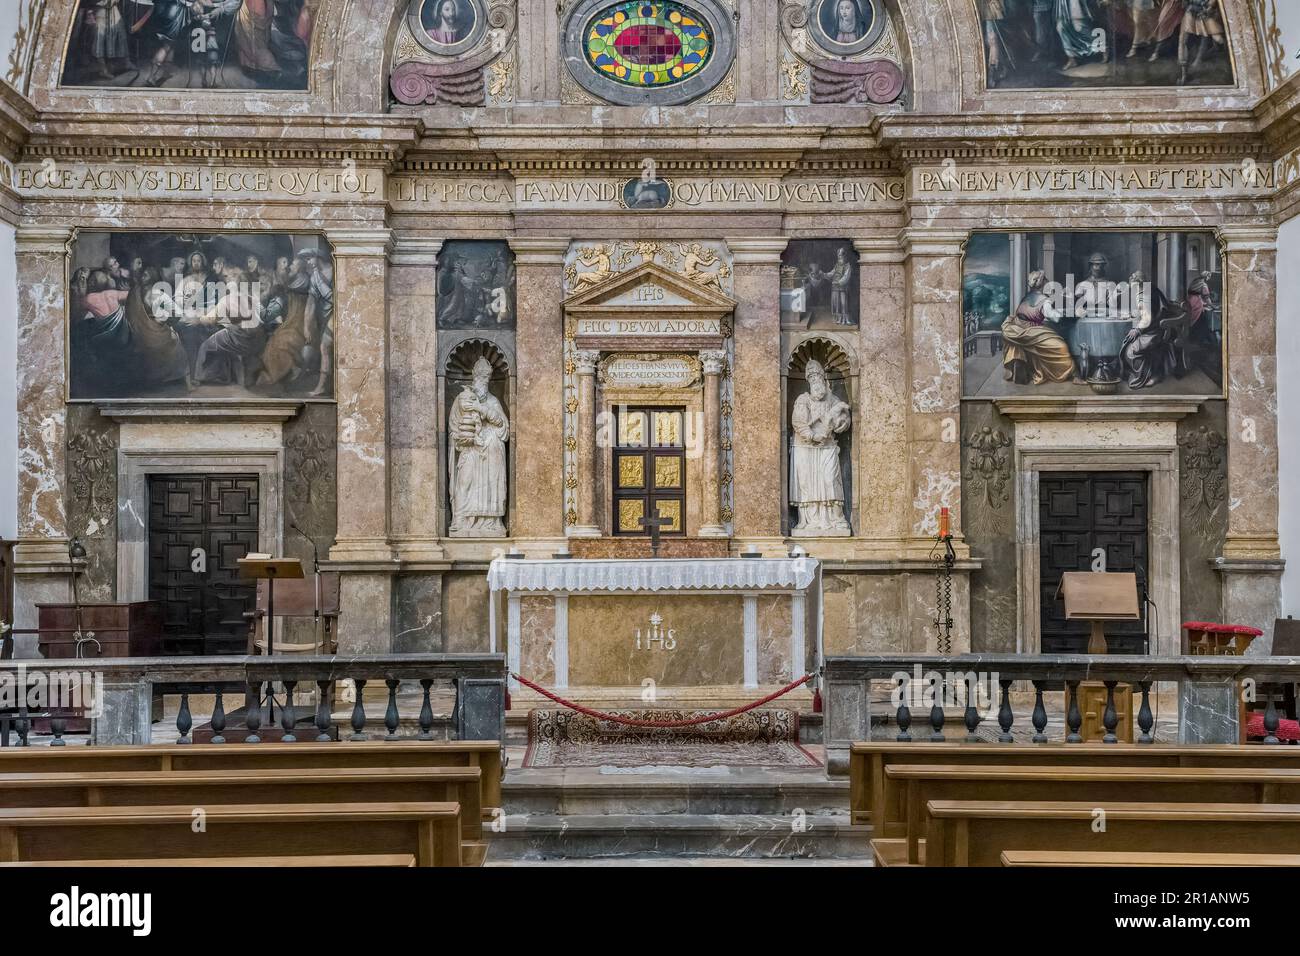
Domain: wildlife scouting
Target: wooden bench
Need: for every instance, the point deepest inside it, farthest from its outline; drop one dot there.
(1096, 785)
(428, 831)
(483, 754)
(1122, 859)
(459, 785)
(975, 833)
(869, 788)
(274, 862)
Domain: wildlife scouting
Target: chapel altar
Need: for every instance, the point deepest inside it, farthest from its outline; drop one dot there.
(681, 623)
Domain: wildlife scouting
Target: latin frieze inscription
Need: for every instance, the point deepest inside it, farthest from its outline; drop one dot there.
(99, 182)
(952, 179)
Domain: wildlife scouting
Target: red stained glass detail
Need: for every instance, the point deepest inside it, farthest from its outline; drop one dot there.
(647, 44)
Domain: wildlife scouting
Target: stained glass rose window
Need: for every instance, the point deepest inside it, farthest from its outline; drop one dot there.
(648, 45)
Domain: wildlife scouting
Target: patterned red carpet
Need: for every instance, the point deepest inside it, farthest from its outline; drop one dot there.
(758, 738)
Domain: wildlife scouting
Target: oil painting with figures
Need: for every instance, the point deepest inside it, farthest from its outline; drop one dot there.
(819, 284)
(163, 315)
(1106, 43)
(476, 285)
(1073, 314)
(191, 44)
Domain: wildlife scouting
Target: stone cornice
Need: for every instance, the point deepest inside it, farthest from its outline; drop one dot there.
(207, 410)
(17, 115)
(1100, 409)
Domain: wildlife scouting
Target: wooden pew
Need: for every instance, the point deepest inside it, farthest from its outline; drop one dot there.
(1122, 859)
(274, 862)
(870, 789)
(484, 754)
(459, 785)
(428, 831)
(975, 833)
(1097, 785)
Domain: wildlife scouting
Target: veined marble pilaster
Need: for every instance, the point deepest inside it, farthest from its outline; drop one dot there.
(933, 271)
(711, 526)
(756, 381)
(883, 484)
(539, 421)
(1251, 564)
(416, 480)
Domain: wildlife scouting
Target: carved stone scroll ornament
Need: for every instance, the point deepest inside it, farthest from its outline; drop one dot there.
(458, 81)
(869, 81)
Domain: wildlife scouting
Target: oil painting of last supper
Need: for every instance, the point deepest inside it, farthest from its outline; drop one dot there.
(200, 316)
(1077, 313)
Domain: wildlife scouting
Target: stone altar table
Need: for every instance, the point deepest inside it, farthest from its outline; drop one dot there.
(677, 622)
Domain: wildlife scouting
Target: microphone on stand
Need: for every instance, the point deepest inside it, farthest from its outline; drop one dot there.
(316, 593)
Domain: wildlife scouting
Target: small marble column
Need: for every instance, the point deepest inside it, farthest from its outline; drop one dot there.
(711, 526)
(1251, 563)
(362, 550)
(588, 524)
(41, 558)
(756, 380)
(933, 267)
(539, 421)
(416, 478)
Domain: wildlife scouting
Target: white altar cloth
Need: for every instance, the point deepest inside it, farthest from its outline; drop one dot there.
(652, 574)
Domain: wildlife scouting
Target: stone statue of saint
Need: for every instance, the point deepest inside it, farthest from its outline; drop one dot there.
(816, 483)
(477, 431)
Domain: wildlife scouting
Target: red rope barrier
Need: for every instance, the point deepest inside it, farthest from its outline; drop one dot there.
(706, 719)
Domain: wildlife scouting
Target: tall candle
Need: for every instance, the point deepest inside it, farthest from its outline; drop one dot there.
(943, 522)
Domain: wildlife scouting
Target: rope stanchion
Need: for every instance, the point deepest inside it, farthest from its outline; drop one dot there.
(635, 722)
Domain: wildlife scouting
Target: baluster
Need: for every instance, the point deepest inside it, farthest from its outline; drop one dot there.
(253, 712)
(1039, 716)
(1005, 715)
(287, 716)
(971, 717)
(390, 715)
(219, 717)
(1145, 720)
(936, 712)
(904, 713)
(1109, 718)
(58, 725)
(426, 710)
(323, 711)
(358, 711)
(184, 719)
(1073, 719)
(1270, 722)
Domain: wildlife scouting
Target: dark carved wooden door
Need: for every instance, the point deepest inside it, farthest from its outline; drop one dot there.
(650, 470)
(199, 527)
(1080, 512)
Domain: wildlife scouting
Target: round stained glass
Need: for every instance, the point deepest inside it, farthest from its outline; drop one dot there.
(648, 45)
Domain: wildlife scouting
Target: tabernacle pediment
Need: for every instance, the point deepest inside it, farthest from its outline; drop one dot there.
(650, 287)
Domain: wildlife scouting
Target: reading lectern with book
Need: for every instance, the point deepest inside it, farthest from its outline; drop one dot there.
(265, 567)
(1098, 597)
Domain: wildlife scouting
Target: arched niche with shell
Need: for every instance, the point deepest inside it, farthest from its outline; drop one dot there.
(458, 356)
(455, 52)
(843, 51)
(835, 354)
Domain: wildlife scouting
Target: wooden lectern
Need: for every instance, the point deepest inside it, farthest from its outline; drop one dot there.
(265, 567)
(1099, 596)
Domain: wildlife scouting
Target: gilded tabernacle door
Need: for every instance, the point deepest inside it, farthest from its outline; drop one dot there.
(647, 400)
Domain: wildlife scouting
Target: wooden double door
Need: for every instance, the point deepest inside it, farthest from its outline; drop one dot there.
(649, 472)
(1090, 520)
(199, 528)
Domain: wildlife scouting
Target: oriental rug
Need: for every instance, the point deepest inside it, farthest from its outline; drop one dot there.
(762, 737)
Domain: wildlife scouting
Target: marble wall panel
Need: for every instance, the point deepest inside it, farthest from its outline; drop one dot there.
(537, 638)
(417, 613)
(774, 622)
(465, 613)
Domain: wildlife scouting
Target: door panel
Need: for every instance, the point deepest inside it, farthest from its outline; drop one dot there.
(649, 469)
(203, 610)
(1078, 513)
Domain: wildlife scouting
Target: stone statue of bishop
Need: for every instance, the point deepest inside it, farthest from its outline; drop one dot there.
(816, 483)
(477, 431)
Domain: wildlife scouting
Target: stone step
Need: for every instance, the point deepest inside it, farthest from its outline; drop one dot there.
(523, 794)
(679, 835)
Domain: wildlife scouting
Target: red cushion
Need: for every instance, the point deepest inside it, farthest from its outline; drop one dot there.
(1286, 729)
(1222, 628)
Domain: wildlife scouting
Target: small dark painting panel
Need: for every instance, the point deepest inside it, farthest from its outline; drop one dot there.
(819, 284)
(170, 315)
(1083, 313)
(1105, 43)
(476, 285)
(191, 44)
(642, 193)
